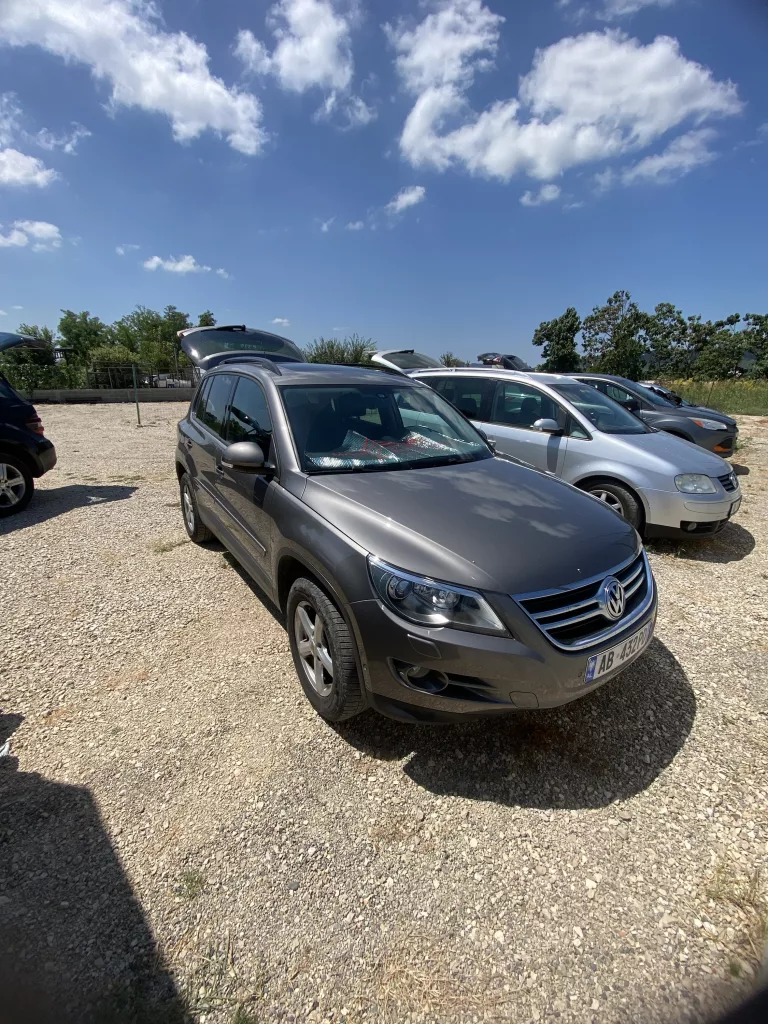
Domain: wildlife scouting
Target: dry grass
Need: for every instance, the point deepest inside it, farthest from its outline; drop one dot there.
(191, 884)
(745, 893)
(210, 979)
(160, 547)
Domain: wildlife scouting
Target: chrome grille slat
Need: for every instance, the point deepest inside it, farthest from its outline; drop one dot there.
(574, 625)
(727, 482)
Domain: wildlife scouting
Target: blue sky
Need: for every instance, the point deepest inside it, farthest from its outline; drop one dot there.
(441, 175)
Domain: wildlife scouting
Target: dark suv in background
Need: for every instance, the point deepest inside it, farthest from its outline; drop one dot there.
(711, 430)
(418, 573)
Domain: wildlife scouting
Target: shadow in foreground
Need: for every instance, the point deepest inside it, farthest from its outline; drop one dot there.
(75, 947)
(606, 746)
(55, 501)
(730, 545)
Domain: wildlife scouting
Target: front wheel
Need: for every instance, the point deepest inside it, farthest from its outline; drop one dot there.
(323, 653)
(619, 498)
(196, 529)
(16, 485)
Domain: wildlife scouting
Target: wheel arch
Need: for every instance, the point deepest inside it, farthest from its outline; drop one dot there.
(609, 477)
(18, 451)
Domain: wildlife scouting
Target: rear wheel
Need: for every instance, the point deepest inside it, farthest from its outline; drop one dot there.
(197, 531)
(323, 652)
(16, 485)
(619, 498)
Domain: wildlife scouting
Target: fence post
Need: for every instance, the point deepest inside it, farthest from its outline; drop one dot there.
(136, 395)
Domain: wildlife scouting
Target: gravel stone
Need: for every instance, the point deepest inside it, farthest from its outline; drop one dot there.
(178, 829)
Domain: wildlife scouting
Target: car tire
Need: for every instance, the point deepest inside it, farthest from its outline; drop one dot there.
(325, 664)
(196, 529)
(619, 498)
(16, 485)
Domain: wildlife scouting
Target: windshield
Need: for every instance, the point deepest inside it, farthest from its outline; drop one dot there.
(411, 360)
(602, 412)
(377, 427)
(200, 344)
(654, 396)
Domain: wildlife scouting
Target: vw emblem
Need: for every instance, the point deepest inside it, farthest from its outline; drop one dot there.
(611, 598)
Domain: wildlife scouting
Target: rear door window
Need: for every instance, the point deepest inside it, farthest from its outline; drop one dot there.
(249, 417)
(519, 405)
(470, 395)
(212, 411)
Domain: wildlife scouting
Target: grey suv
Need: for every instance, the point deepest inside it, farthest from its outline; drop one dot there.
(418, 572)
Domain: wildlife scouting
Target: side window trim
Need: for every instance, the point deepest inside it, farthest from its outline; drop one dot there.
(202, 394)
(274, 458)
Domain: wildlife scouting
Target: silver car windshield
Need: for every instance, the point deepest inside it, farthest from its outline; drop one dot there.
(377, 427)
(602, 412)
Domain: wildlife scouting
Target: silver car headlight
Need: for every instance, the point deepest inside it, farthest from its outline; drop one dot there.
(695, 483)
(711, 424)
(431, 603)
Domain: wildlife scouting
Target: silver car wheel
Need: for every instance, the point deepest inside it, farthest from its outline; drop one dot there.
(309, 630)
(189, 509)
(12, 485)
(609, 499)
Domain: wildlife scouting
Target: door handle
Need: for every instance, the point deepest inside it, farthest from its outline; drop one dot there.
(188, 443)
(219, 469)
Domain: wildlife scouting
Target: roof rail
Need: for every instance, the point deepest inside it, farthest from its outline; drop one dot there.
(268, 364)
(379, 368)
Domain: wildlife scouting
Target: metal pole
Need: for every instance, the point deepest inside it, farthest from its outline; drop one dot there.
(136, 394)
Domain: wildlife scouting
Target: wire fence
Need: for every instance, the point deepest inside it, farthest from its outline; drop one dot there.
(29, 378)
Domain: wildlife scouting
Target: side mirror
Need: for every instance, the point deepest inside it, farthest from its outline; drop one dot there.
(244, 456)
(631, 405)
(548, 426)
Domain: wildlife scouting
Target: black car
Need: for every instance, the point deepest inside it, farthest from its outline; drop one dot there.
(25, 452)
(418, 573)
(709, 429)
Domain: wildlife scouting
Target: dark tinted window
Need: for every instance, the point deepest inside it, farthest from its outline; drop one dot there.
(213, 407)
(201, 394)
(249, 418)
(205, 343)
(411, 360)
(468, 394)
(519, 405)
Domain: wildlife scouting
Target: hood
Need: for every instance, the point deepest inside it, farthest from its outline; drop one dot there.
(12, 340)
(490, 524)
(700, 412)
(680, 455)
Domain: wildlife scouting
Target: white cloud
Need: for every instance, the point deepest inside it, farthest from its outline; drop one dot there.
(3, 313)
(66, 143)
(683, 155)
(124, 45)
(280, 321)
(412, 195)
(184, 265)
(586, 98)
(313, 50)
(355, 225)
(127, 247)
(546, 194)
(574, 206)
(19, 170)
(325, 225)
(17, 307)
(620, 8)
(222, 273)
(10, 115)
(42, 236)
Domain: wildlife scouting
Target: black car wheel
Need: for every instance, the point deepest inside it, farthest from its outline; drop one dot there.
(196, 529)
(323, 652)
(619, 498)
(16, 485)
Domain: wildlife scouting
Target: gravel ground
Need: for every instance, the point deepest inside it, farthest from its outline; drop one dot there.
(182, 839)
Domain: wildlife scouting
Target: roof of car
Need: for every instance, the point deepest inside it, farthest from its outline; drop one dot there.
(316, 373)
(602, 376)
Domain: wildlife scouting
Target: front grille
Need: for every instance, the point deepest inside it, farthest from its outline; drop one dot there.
(728, 482)
(572, 619)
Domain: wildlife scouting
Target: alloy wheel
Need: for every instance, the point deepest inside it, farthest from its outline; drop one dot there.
(310, 632)
(12, 486)
(610, 499)
(189, 508)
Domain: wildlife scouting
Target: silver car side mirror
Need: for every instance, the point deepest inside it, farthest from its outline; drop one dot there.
(548, 426)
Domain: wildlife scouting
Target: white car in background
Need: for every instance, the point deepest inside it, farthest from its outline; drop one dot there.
(661, 484)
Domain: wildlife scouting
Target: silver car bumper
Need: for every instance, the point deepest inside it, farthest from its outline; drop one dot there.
(671, 508)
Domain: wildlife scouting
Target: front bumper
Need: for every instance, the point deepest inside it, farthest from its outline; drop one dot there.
(674, 512)
(721, 443)
(480, 675)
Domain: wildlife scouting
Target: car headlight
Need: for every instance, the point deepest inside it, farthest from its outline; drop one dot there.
(430, 603)
(711, 424)
(695, 483)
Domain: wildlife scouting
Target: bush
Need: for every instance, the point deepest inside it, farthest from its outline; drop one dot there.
(743, 396)
(349, 351)
(27, 378)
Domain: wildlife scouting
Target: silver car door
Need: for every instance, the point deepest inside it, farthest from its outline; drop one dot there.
(515, 407)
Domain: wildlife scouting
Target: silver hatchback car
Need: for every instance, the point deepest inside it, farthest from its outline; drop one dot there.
(661, 484)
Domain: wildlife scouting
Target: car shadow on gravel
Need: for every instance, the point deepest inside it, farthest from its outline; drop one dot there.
(75, 947)
(732, 544)
(606, 746)
(55, 501)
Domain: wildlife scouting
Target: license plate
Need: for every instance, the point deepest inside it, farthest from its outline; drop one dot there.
(600, 664)
(734, 508)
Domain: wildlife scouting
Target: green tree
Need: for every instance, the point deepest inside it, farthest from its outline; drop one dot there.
(717, 346)
(756, 341)
(152, 335)
(669, 342)
(613, 337)
(23, 356)
(116, 354)
(82, 332)
(449, 359)
(351, 350)
(206, 319)
(558, 338)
